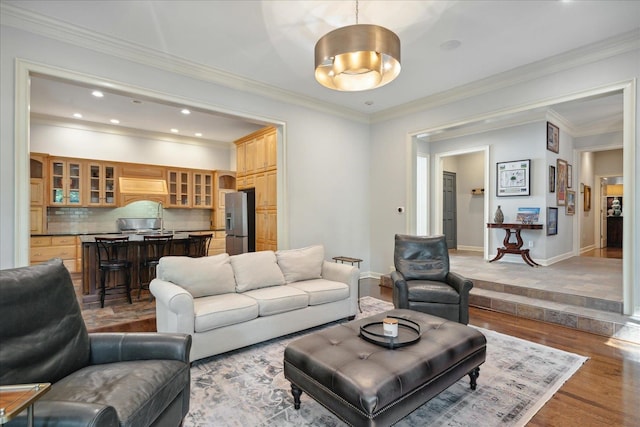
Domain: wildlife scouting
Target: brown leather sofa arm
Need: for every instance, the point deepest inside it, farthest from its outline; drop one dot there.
(111, 347)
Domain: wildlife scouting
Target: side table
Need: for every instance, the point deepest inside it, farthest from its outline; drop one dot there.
(14, 398)
(352, 261)
(515, 247)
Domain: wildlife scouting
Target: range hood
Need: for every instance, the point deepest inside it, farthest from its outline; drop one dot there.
(146, 186)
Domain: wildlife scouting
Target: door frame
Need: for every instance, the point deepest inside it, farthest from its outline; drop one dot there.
(455, 210)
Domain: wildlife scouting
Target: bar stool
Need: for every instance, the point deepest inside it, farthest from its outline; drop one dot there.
(113, 257)
(152, 249)
(199, 245)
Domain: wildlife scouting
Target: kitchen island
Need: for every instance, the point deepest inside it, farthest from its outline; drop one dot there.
(91, 274)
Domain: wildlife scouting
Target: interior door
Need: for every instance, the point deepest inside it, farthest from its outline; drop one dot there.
(449, 210)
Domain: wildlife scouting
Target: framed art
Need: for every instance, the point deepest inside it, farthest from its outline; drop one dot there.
(513, 178)
(587, 198)
(571, 202)
(528, 215)
(552, 179)
(561, 182)
(552, 221)
(569, 176)
(553, 137)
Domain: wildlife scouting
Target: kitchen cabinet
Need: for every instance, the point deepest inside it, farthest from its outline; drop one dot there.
(266, 190)
(247, 181)
(202, 189)
(266, 230)
(43, 248)
(66, 177)
(142, 171)
(179, 183)
(224, 182)
(101, 184)
(36, 219)
(37, 173)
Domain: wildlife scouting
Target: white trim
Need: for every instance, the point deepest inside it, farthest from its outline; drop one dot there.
(471, 248)
(630, 271)
(587, 249)
(25, 68)
(115, 47)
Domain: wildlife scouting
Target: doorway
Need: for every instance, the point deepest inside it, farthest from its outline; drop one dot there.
(449, 209)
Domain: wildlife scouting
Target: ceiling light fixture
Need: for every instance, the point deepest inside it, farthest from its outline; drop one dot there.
(198, 134)
(174, 130)
(97, 94)
(77, 115)
(357, 57)
(185, 111)
(115, 121)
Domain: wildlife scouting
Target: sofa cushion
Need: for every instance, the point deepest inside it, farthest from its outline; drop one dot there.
(255, 270)
(278, 299)
(301, 264)
(322, 291)
(138, 390)
(205, 276)
(223, 310)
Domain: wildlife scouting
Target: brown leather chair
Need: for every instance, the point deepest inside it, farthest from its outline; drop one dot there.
(422, 280)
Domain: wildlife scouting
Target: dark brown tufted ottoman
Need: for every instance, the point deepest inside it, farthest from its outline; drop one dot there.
(368, 385)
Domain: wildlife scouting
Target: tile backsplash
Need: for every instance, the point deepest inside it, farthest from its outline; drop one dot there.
(103, 220)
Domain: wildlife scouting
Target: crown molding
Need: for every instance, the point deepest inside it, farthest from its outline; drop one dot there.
(41, 25)
(574, 58)
(84, 125)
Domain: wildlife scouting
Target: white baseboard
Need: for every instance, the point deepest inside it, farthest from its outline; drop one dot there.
(587, 249)
(470, 248)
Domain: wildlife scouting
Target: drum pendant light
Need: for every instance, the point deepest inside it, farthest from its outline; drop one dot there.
(357, 57)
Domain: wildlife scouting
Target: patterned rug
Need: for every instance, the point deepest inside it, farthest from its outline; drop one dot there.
(247, 388)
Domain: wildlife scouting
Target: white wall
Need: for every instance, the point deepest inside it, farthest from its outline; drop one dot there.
(391, 148)
(60, 140)
(588, 218)
(324, 178)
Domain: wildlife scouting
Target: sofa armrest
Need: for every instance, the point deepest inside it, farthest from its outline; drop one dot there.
(174, 307)
(64, 413)
(112, 347)
(344, 273)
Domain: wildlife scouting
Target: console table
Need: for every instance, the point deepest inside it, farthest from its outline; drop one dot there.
(515, 247)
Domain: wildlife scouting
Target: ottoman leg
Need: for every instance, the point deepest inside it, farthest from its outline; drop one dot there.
(473, 375)
(296, 392)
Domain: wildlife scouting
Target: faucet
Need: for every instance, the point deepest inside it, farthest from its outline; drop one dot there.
(160, 216)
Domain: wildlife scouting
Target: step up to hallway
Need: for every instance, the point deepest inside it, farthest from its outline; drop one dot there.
(576, 316)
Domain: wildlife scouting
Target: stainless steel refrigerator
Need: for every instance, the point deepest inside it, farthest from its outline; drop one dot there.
(235, 223)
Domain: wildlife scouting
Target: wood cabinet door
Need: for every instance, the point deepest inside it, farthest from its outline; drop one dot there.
(180, 189)
(66, 182)
(202, 190)
(241, 166)
(250, 156)
(271, 150)
(101, 184)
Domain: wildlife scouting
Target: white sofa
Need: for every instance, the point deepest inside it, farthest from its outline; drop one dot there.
(228, 302)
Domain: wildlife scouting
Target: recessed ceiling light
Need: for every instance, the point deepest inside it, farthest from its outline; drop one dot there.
(198, 134)
(77, 115)
(368, 102)
(185, 111)
(115, 121)
(450, 45)
(174, 130)
(136, 101)
(97, 94)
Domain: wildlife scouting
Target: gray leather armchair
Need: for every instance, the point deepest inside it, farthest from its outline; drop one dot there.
(422, 280)
(102, 379)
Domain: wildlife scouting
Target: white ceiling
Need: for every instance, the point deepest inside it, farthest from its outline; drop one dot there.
(271, 44)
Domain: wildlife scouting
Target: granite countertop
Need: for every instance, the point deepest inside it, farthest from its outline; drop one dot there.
(88, 236)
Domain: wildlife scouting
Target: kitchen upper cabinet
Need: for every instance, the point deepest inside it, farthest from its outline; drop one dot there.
(180, 190)
(102, 180)
(266, 190)
(66, 177)
(202, 189)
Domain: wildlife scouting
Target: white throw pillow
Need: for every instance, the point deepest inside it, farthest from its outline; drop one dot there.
(201, 277)
(255, 270)
(301, 264)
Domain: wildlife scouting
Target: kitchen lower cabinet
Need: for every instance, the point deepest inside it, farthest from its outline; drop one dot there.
(266, 230)
(43, 248)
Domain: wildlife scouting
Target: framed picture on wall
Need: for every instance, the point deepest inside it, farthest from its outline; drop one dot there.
(553, 137)
(570, 209)
(513, 178)
(552, 179)
(561, 182)
(552, 221)
(587, 198)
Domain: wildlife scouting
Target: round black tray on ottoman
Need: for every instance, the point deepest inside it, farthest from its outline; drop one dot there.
(367, 384)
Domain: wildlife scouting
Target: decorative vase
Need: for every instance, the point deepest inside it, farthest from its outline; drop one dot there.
(498, 218)
(615, 205)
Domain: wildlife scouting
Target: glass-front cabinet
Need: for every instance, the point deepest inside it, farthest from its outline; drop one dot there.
(179, 188)
(102, 184)
(66, 182)
(203, 190)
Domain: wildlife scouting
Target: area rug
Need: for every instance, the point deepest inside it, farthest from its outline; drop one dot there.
(247, 388)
